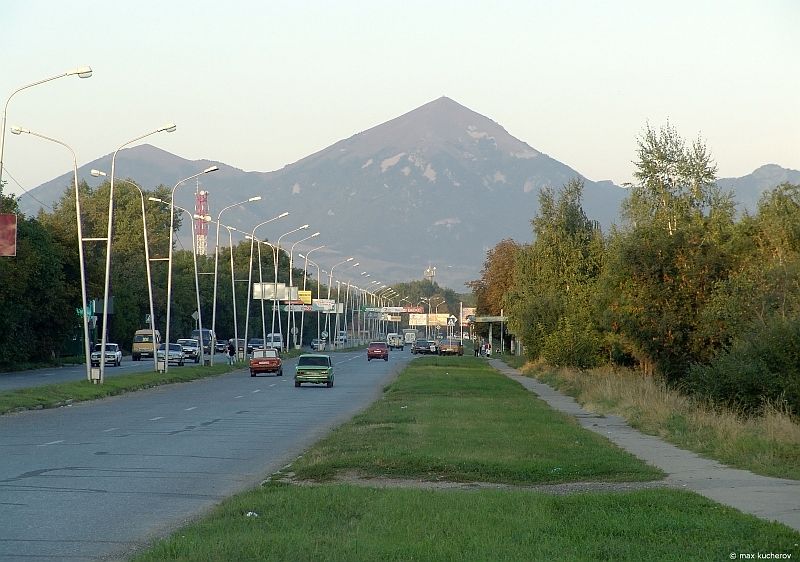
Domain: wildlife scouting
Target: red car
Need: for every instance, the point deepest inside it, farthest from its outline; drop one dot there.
(266, 361)
(378, 350)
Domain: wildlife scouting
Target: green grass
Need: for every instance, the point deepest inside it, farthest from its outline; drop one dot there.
(347, 523)
(55, 395)
(458, 419)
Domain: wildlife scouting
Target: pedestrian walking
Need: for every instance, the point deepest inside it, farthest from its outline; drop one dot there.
(231, 353)
(476, 347)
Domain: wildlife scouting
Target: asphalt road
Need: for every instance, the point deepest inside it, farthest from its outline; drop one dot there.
(52, 375)
(99, 480)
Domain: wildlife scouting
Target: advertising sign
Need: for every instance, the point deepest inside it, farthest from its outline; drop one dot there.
(266, 291)
(323, 305)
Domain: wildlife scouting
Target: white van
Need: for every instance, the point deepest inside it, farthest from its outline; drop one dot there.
(395, 341)
(274, 340)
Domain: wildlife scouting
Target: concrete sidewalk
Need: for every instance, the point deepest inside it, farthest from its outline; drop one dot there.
(773, 499)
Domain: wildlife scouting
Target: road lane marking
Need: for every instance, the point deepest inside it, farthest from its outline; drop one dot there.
(273, 384)
(190, 409)
(110, 429)
(157, 418)
(240, 396)
(257, 390)
(52, 443)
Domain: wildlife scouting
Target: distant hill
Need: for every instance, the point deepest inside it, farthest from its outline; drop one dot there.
(748, 189)
(439, 186)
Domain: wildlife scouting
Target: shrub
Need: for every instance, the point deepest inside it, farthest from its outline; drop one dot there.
(762, 366)
(572, 346)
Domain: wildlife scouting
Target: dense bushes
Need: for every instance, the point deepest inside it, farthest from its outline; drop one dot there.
(762, 366)
(675, 290)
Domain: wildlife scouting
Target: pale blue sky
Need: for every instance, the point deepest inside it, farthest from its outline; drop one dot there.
(259, 85)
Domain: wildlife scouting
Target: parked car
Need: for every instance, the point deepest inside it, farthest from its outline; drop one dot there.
(143, 343)
(317, 345)
(451, 346)
(113, 355)
(377, 350)
(314, 368)
(395, 341)
(176, 354)
(266, 361)
(191, 348)
(255, 343)
(423, 347)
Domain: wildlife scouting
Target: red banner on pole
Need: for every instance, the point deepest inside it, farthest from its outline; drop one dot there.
(8, 235)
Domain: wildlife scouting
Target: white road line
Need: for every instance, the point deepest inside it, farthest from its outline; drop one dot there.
(157, 418)
(273, 384)
(52, 443)
(257, 390)
(190, 409)
(110, 429)
(240, 396)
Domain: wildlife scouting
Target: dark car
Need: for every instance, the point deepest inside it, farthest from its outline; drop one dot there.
(255, 343)
(423, 347)
(378, 350)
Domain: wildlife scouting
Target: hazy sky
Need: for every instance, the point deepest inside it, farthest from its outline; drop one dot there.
(259, 85)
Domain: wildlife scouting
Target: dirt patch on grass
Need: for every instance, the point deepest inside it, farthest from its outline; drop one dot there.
(357, 479)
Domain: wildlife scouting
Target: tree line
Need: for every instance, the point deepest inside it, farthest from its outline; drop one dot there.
(40, 287)
(685, 289)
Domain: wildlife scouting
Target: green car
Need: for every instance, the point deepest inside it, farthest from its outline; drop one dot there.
(315, 368)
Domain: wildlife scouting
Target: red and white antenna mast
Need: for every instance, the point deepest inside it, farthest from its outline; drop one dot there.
(200, 225)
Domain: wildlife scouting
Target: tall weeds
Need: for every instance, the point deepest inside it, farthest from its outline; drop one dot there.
(767, 443)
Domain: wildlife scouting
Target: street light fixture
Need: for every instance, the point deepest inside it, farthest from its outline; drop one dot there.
(216, 262)
(169, 259)
(330, 282)
(18, 131)
(192, 217)
(305, 276)
(276, 251)
(252, 237)
(290, 313)
(97, 174)
(81, 72)
(168, 128)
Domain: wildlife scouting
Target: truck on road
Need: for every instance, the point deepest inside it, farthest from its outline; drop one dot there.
(410, 336)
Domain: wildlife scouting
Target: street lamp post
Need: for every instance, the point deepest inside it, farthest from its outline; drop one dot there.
(98, 173)
(276, 254)
(192, 217)
(169, 260)
(330, 282)
(87, 352)
(216, 262)
(252, 237)
(290, 313)
(169, 128)
(305, 277)
(81, 72)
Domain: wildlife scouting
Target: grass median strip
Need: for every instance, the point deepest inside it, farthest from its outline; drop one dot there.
(61, 394)
(336, 522)
(458, 420)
